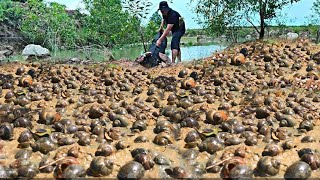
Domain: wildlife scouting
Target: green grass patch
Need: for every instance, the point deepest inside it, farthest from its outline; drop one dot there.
(14, 58)
(130, 52)
(93, 54)
(83, 54)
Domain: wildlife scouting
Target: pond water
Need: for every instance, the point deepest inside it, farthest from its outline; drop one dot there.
(188, 53)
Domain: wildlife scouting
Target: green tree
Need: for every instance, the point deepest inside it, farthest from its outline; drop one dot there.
(315, 18)
(11, 12)
(48, 25)
(156, 18)
(138, 9)
(108, 24)
(153, 25)
(220, 15)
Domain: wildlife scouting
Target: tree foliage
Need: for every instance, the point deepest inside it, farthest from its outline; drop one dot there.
(153, 25)
(315, 17)
(48, 25)
(139, 9)
(108, 24)
(222, 16)
(10, 12)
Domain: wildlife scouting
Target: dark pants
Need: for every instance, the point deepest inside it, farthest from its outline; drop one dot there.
(175, 42)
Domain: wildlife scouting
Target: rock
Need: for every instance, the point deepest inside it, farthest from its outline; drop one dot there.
(6, 52)
(248, 37)
(2, 57)
(292, 36)
(35, 50)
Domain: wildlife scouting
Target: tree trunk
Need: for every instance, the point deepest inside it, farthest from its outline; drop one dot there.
(142, 39)
(262, 14)
(262, 32)
(318, 36)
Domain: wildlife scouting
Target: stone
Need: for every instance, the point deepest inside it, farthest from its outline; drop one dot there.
(35, 50)
(292, 36)
(5, 52)
(248, 37)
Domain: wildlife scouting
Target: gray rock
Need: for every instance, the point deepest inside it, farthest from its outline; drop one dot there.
(292, 36)
(2, 57)
(6, 51)
(35, 50)
(248, 37)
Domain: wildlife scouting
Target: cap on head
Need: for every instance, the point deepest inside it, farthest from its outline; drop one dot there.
(163, 5)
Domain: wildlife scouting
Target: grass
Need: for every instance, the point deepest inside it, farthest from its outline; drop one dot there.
(90, 54)
(62, 55)
(14, 58)
(129, 52)
(96, 54)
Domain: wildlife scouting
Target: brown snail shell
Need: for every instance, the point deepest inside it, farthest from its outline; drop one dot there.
(183, 73)
(101, 166)
(132, 169)
(188, 83)
(268, 166)
(6, 131)
(49, 117)
(272, 150)
(177, 173)
(231, 164)
(95, 112)
(145, 159)
(216, 118)
(20, 70)
(238, 59)
(75, 151)
(312, 159)
(297, 170)
(211, 145)
(105, 150)
(25, 81)
(163, 139)
(241, 171)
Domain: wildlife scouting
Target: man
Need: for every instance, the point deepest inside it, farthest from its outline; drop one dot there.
(176, 25)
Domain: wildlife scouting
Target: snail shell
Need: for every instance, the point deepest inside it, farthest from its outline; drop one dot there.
(49, 117)
(25, 81)
(163, 139)
(238, 59)
(188, 83)
(216, 118)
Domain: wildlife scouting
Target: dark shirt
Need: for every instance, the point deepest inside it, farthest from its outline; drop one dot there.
(173, 17)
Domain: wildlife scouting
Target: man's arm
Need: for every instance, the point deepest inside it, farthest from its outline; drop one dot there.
(165, 34)
(161, 26)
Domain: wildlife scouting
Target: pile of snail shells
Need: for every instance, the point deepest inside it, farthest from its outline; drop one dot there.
(244, 115)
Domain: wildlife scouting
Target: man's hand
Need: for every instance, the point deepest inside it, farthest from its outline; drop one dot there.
(158, 43)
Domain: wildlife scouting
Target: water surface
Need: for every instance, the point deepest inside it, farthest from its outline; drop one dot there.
(188, 52)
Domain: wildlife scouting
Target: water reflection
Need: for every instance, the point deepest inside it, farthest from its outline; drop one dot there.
(188, 52)
(197, 52)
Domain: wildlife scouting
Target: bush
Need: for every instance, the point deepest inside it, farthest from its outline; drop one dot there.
(48, 25)
(11, 12)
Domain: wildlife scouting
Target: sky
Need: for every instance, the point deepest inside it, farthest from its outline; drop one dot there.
(296, 14)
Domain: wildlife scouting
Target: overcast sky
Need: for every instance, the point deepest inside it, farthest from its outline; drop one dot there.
(295, 14)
